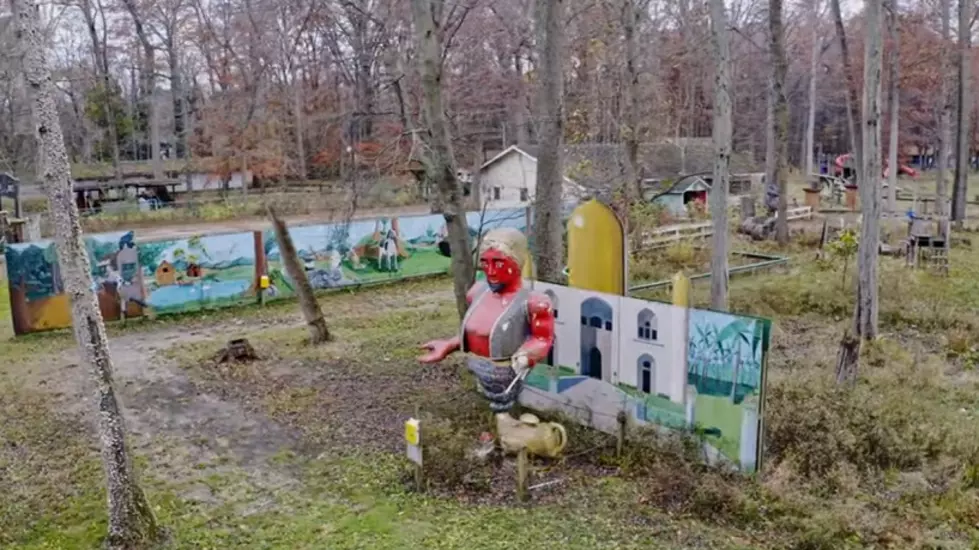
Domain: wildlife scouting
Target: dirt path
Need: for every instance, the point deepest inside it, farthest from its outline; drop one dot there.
(186, 433)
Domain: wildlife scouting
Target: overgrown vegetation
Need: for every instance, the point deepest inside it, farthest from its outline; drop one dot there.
(892, 462)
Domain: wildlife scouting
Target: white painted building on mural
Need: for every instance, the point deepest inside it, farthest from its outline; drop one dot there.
(619, 340)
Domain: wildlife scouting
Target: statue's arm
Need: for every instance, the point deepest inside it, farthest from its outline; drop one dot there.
(440, 349)
(540, 315)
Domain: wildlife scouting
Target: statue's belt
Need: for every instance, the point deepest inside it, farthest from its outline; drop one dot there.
(507, 363)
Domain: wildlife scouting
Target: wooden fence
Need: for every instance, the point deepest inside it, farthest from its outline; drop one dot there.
(669, 234)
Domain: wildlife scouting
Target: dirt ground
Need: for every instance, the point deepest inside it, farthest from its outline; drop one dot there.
(303, 448)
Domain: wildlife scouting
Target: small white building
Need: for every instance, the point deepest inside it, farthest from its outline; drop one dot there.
(509, 180)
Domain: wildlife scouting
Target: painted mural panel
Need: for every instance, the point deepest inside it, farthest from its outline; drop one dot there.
(199, 272)
(117, 274)
(369, 251)
(725, 377)
(615, 354)
(37, 296)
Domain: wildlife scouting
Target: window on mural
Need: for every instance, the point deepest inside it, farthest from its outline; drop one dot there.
(646, 321)
(497, 191)
(524, 194)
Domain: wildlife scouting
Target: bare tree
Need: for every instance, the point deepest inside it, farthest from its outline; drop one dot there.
(865, 312)
(893, 104)
(944, 150)
(720, 41)
(630, 20)
(549, 240)
(963, 110)
(851, 90)
(780, 67)
(100, 50)
(439, 160)
(318, 331)
(809, 143)
(131, 521)
(148, 92)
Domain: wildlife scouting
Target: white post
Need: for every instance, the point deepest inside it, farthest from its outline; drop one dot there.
(748, 458)
(690, 404)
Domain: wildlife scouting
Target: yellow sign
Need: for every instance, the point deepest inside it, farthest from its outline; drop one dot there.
(412, 431)
(681, 290)
(596, 249)
(263, 282)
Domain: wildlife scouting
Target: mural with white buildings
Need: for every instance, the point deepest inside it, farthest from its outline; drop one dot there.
(660, 364)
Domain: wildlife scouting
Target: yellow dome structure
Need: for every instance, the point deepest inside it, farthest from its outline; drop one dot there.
(596, 249)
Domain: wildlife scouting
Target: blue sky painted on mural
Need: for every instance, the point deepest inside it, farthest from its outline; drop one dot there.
(319, 237)
(217, 249)
(731, 344)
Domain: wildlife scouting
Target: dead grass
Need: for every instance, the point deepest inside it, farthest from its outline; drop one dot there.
(890, 463)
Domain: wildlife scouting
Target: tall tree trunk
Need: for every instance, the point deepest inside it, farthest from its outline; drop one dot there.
(722, 154)
(177, 98)
(771, 176)
(131, 520)
(810, 145)
(100, 49)
(440, 161)
(318, 331)
(148, 95)
(944, 152)
(851, 89)
(633, 183)
(779, 70)
(297, 107)
(963, 110)
(548, 234)
(865, 313)
(893, 105)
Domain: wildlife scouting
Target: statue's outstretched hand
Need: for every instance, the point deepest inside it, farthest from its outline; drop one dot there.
(437, 350)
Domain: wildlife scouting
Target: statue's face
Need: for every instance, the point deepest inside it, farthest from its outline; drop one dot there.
(501, 270)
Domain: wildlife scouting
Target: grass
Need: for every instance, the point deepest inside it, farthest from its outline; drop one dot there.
(890, 463)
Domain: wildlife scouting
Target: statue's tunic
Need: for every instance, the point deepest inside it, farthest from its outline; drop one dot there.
(493, 330)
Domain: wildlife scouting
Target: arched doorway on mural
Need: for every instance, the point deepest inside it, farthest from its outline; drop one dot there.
(596, 337)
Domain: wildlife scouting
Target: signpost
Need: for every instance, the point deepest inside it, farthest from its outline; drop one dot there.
(413, 440)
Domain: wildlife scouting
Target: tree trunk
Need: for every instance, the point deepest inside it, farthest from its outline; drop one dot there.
(548, 234)
(297, 107)
(318, 331)
(781, 112)
(440, 162)
(851, 90)
(148, 95)
(963, 110)
(893, 106)
(100, 49)
(633, 183)
(771, 181)
(865, 313)
(944, 125)
(131, 520)
(722, 154)
(813, 70)
(179, 104)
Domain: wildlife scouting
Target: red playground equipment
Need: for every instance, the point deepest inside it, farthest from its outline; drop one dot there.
(844, 167)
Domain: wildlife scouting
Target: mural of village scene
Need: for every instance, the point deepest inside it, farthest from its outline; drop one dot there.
(37, 296)
(199, 272)
(366, 251)
(613, 353)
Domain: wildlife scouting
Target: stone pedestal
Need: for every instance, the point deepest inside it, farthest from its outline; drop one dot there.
(812, 198)
(851, 197)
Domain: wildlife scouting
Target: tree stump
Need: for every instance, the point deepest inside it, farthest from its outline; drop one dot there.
(238, 350)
